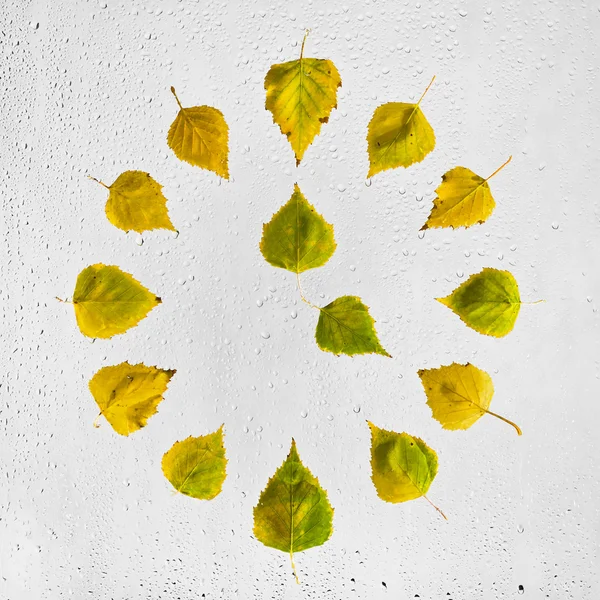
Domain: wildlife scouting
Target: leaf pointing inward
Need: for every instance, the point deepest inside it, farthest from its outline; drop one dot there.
(459, 395)
(398, 136)
(301, 95)
(293, 512)
(128, 395)
(463, 199)
(136, 203)
(108, 301)
(199, 135)
(346, 327)
(196, 466)
(297, 238)
(403, 467)
(487, 302)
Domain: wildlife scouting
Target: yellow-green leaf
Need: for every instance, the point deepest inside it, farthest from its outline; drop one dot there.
(199, 135)
(128, 395)
(399, 135)
(488, 302)
(196, 466)
(301, 95)
(403, 467)
(459, 395)
(297, 238)
(136, 203)
(346, 327)
(109, 301)
(463, 199)
(293, 512)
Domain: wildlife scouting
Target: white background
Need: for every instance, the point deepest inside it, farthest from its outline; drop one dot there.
(86, 513)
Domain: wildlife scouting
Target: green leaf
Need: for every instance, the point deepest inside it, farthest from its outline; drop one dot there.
(403, 467)
(488, 302)
(301, 95)
(200, 136)
(293, 512)
(459, 395)
(128, 395)
(297, 238)
(346, 327)
(108, 301)
(196, 466)
(399, 135)
(136, 203)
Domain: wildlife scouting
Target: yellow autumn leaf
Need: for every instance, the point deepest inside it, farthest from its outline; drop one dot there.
(108, 301)
(136, 203)
(403, 466)
(196, 466)
(199, 135)
(399, 135)
(463, 199)
(128, 395)
(301, 95)
(459, 395)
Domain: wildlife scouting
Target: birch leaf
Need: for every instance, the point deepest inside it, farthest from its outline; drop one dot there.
(196, 466)
(301, 95)
(402, 466)
(297, 238)
(463, 199)
(346, 327)
(293, 512)
(136, 203)
(399, 135)
(459, 395)
(199, 136)
(487, 302)
(128, 395)
(108, 301)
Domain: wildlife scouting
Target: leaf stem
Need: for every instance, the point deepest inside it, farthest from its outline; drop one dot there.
(303, 42)
(536, 302)
(95, 423)
(500, 168)
(294, 567)
(434, 506)
(98, 181)
(302, 294)
(63, 301)
(176, 98)
(489, 412)
(426, 90)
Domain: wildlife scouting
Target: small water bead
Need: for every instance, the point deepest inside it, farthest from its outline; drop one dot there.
(259, 303)
(555, 225)
(265, 335)
(139, 240)
(304, 414)
(353, 267)
(520, 528)
(294, 314)
(356, 409)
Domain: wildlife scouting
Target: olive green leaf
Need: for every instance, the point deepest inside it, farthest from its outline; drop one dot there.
(346, 327)
(459, 395)
(199, 135)
(136, 203)
(301, 95)
(128, 395)
(293, 512)
(196, 466)
(463, 199)
(488, 302)
(108, 301)
(403, 467)
(297, 238)
(399, 135)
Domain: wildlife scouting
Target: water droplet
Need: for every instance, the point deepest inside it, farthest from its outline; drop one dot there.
(555, 225)
(356, 409)
(304, 414)
(520, 528)
(521, 589)
(265, 335)
(294, 314)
